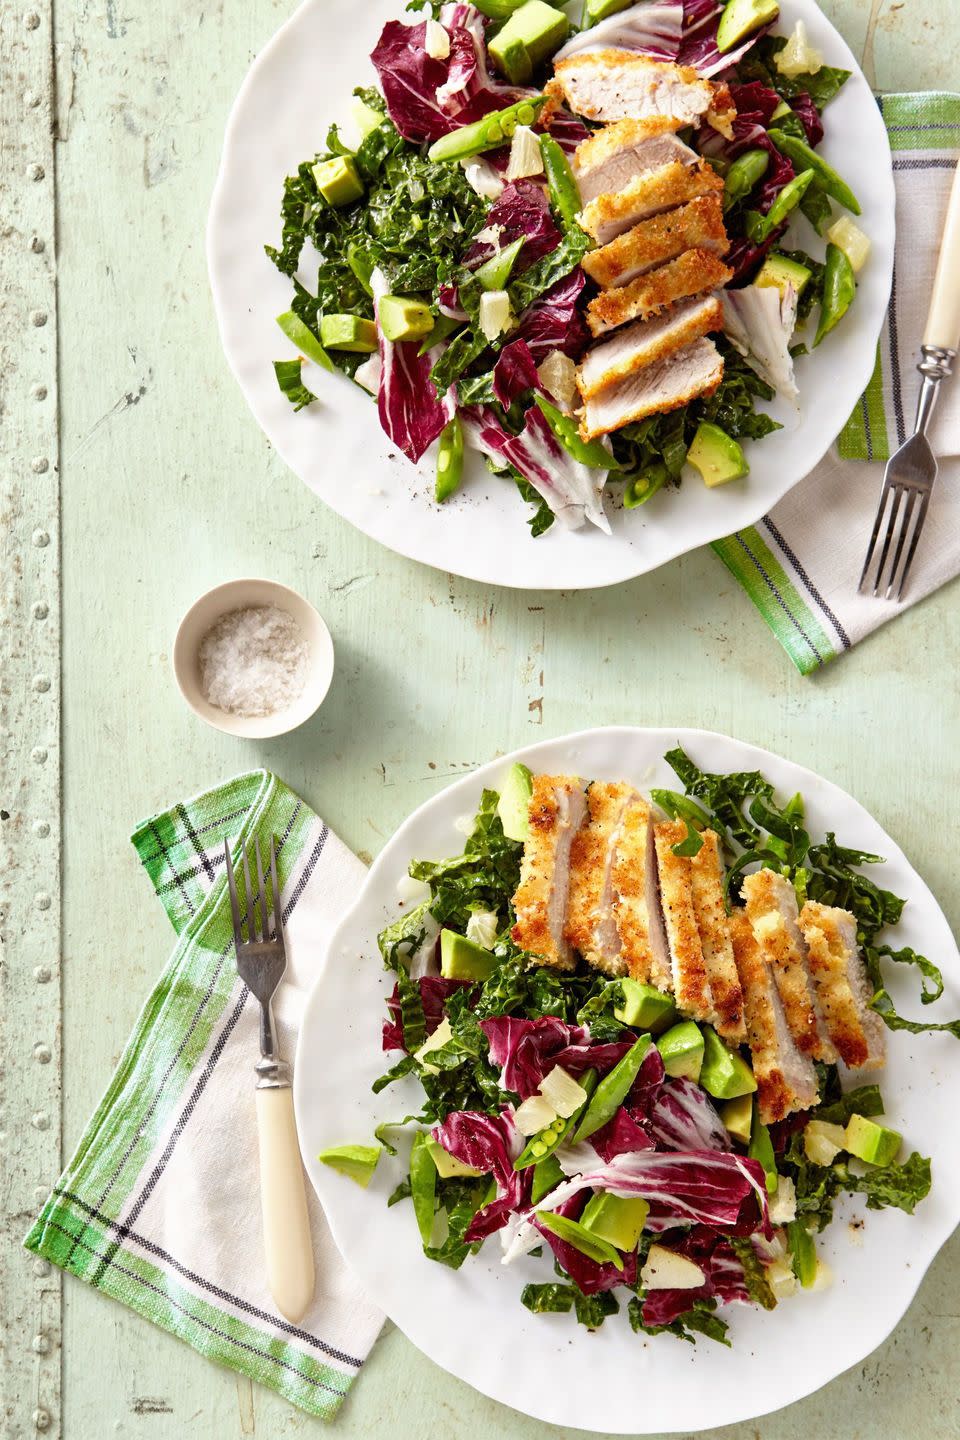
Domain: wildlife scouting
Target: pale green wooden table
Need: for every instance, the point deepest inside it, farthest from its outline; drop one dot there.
(166, 488)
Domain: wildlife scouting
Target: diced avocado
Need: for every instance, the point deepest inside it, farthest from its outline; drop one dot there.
(616, 1219)
(645, 1007)
(356, 1161)
(737, 1116)
(531, 34)
(717, 455)
(460, 959)
(761, 1149)
(723, 1073)
(513, 807)
(872, 1142)
(740, 18)
(448, 1166)
(494, 273)
(595, 10)
(404, 319)
(338, 181)
(781, 271)
(348, 332)
(803, 1253)
(681, 1050)
(782, 109)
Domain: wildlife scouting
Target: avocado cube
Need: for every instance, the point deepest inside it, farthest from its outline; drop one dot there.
(403, 319)
(461, 959)
(513, 807)
(737, 1116)
(723, 1074)
(531, 34)
(717, 455)
(618, 1220)
(448, 1166)
(645, 1007)
(872, 1142)
(338, 181)
(781, 271)
(356, 1161)
(348, 332)
(599, 9)
(761, 1149)
(681, 1050)
(740, 18)
(365, 117)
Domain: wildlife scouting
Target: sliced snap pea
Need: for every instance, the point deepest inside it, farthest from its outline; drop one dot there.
(546, 1175)
(806, 158)
(759, 227)
(744, 174)
(564, 427)
(645, 485)
(561, 182)
(487, 134)
(449, 460)
(839, 289)
(803, 1253)
(612, 1090)
(423, 1185)
(540, 1146)
(304, 339)
(581, 1239)
(362, 265)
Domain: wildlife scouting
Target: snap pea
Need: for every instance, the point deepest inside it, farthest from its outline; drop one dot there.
(304, 339)
(761, 1149)
(806, 158)
(803, 1253)
(758, 227)
(546, 1175)
(443, 326)
(362, 265)
(561, 182)
(645, 485)
(564, 427)
(423, 1184)
(540, 1146)
(839, 289)
(744, 174)
(580, 1238)
(449, 460)
(612, 1090)
(486, 134)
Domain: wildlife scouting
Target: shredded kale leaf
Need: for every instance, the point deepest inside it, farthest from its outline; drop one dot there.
(484, 877)
(290, 382)
(901, 1186)
(590, 1310)
(754, 1274)
(698, 1320)
(822, 87)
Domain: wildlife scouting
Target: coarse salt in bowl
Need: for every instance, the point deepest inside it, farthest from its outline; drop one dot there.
(247, 644)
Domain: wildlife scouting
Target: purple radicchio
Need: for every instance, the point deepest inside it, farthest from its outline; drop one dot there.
(489, 1143)
(723, 1278)
(653, 29)
(521, 212)
(698, 45)
(590, 1275)
(514, 372)
(435, 991)
(682, 1118)
(526, 1050)
(411, 412)
(555, 321)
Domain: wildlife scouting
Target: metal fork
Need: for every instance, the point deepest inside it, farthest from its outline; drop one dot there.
(261, 962)
(912, 471)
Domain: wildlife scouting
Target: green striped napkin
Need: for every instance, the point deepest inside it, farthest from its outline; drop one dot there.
(800, 565)
(159, 1206)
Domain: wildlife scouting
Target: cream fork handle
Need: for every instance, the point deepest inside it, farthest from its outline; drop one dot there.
(286, 1225)
(943, 321)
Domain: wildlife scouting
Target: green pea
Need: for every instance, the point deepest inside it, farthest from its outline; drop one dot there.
(744, 174)
(538, 1149)
(839, 289)
(526, 114)
(612, 1090)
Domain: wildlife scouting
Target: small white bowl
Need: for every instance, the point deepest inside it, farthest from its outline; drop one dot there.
(240, 595)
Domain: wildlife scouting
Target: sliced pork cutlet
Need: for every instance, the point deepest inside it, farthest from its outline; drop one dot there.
(647, 341)
(617, 154)
(650, 193)
(786, 1079)
(698, 225)
(842, 986)
(557, 809)
(686, 375)
(706, 872)
(616, 84)
(691, 273)
(643, 941)
(591, 915)
(691, 982)
(771, 904)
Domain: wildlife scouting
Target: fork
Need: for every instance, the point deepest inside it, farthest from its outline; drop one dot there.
(912, 471)
(261, 961)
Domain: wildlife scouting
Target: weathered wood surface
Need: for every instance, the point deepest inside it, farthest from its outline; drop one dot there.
(168, 486)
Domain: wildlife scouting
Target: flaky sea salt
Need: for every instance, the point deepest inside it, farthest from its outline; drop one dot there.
(254, 661)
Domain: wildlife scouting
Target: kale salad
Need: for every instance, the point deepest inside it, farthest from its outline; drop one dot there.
(524, 238)
(657, 1163)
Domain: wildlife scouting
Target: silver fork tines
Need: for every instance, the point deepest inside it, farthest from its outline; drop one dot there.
(261, 958)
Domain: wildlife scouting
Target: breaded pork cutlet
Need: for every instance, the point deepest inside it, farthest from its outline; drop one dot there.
(647, 341)
(691, 983)
(651, 193)
(786, 1079)
(591, 914)
(617, 154)
(694, 371)
(697, 225)
(613, 84)
(842, 985)
(643, 939)
(557, 808)
(691, 273)
(771, 906)
(706, 874)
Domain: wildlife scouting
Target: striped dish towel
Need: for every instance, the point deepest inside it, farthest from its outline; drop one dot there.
(800, 565)
(159, 1206)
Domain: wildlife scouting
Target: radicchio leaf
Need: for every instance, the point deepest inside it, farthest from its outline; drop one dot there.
(527, 1049)
(435, 991)
(555, 321)
(682, 1118)
(698, 45)
(521, 212)
(591, 1276)
(490, 1143)
(809, 116)
(723, 1278)
(653, 29)
(571, 490)
(411, 412)
(514, 372)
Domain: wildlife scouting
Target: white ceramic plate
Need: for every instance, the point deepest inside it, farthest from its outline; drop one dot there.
(299, 84)
(471, 1322)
